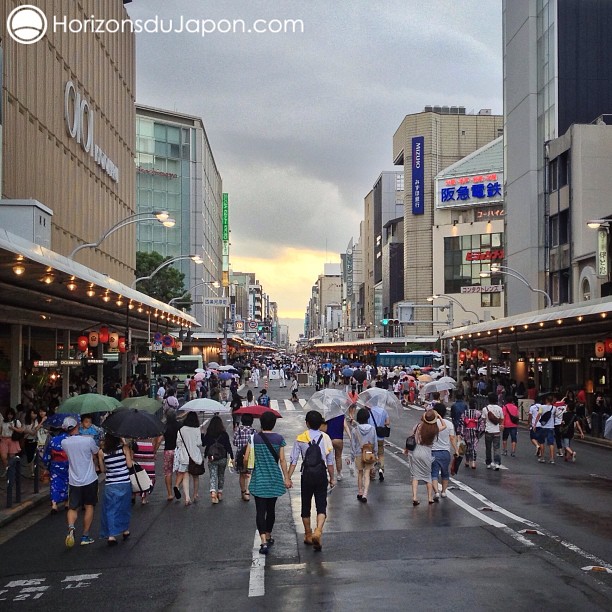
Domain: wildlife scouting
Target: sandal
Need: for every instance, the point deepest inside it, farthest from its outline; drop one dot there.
(246, 496)
(415, 502)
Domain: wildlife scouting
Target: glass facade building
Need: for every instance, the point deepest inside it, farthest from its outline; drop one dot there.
(176, 172)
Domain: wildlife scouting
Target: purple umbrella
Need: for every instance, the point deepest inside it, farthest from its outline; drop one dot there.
(225, 375)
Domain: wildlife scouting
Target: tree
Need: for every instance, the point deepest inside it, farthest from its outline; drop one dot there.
(168, 283)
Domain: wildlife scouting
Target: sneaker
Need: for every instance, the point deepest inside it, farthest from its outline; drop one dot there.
(541, 460)
(85, 540)
(263, 549)
(339, 476)
(70, 538)
(560, 454)
(381, 475)
(496, 467)
(505, 453)
(489, 466)
(574, 457)
(443, 494)
(552, 462)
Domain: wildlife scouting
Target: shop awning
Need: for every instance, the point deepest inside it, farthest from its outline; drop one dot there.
(39, 261)
(557, 320)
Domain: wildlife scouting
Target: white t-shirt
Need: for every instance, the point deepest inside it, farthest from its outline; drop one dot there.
(442, 440)
(161, 392)
(498, 412)
(559, 411)
(533, 411)
(550, 424)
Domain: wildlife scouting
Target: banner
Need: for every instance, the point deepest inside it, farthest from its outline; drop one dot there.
(418, 175)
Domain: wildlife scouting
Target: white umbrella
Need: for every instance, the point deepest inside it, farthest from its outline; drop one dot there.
(330, 403)
(436, 385)
(447, 379)
(224, 368)
(200, 370)
(205, 405)
(213, 365)
(374, 396)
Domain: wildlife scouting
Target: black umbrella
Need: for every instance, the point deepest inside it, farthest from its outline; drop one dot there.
(133, 423)
(359, 375)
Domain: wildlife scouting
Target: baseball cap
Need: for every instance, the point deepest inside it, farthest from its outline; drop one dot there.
(69, 423)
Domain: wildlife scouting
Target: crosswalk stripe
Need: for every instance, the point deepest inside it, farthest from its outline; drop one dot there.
(289, 405)
(302, 402)
(274, 405)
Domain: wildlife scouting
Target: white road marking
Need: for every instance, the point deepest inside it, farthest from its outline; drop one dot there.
(257, 577)
(302, 402)
(289, 405)
(274, 405)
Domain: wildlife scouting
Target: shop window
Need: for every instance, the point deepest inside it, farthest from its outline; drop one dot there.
(490, 300)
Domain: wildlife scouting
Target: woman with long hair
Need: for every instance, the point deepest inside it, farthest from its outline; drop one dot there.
(9, 447)
(187, 447)
(31, 425)
(425, 433)
(56, 460)
(217, 447)
(115, 461)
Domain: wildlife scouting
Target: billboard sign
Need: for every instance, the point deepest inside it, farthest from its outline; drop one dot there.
(418, 176)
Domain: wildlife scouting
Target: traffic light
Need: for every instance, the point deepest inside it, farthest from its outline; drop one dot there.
(385, 322)
(394, 322)
(260, 328)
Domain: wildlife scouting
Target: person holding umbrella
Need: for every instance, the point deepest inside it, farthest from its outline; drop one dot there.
(115, 461)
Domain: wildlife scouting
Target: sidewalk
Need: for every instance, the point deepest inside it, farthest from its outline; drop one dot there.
(29, 499)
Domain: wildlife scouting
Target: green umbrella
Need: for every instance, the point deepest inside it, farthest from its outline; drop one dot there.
(88, 403)
(148, 404)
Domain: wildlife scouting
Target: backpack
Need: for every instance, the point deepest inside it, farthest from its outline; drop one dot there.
(314, 470)
(495, 420)
(216, 451)
(367, 451)
(546, 416)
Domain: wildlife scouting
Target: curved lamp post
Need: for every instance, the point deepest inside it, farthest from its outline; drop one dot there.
(161, 216)
(452, 299)
(497, 269)
(215, 284)
(195, 258)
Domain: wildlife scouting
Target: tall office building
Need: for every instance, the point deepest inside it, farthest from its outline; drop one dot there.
(424, 144)
(176, 171)
(557, 72)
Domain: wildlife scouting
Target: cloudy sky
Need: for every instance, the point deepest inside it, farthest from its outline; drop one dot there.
(301, 124)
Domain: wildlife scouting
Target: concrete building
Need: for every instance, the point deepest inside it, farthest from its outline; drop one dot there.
(368, 295)
(176, 172)
(424, 144)
(468, 237)
(392, 266)
(557, 72)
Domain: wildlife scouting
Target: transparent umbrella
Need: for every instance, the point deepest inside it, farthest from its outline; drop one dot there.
(205, 405)
(330, 403)
(382, 398)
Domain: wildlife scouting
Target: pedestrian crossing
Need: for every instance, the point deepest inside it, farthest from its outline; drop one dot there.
(287, 405)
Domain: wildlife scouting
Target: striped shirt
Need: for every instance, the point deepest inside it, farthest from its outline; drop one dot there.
(116, 467)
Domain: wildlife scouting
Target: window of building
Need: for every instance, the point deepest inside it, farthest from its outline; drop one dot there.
(563, 169)
(399, 181)
(490, 300)
(564, 226)
(553, 183)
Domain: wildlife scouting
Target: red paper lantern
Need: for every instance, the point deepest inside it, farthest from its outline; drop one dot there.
(474, 353)
(103, 335)
(462, 355)
(122, 345)
(82, 342)
(600, 349)
(608, 345)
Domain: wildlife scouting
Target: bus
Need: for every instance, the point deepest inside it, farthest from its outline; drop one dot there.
(413, 359)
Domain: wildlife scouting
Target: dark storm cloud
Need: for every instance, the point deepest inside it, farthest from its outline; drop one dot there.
(301, 125)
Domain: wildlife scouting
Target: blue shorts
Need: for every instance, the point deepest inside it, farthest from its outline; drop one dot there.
(440, 464)
(509, 431)
(546, 436)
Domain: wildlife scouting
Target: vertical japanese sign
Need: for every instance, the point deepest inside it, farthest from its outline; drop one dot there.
(225, 239)
(602, 253)
(418, 175)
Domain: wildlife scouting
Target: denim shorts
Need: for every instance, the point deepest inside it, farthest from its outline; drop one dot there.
(546, 436)
(509, 431)
(440, 464)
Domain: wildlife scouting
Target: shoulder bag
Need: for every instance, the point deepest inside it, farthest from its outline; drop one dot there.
(383, 431)
(513, 417)
(141, 481)
(367, 450)
(195, 469)
(411, 442)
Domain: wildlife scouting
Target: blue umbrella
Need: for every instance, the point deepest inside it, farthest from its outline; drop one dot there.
(224, 375)
(55, 420)
(347, 372)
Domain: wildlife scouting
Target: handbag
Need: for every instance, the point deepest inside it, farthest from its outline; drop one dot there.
(383, 431)
(141, 481)
(411, 442)
(193, 468)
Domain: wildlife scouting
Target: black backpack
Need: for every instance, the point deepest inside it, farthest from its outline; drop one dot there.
(216, 451)
(314, 470)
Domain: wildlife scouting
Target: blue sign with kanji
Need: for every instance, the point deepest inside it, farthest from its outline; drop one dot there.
(418, 176)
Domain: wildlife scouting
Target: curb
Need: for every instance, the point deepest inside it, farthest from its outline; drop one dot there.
(12, 514)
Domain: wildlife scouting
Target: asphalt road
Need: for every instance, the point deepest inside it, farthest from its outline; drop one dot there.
(515, 539)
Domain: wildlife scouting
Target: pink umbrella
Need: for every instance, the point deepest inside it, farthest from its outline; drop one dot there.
(199, 376)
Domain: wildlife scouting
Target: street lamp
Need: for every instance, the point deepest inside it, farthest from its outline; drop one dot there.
(498, 269)
(215, 284)
(162, 216)
(452, 299)
(195, 258)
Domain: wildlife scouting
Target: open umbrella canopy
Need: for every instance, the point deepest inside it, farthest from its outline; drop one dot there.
(199, 376)
(225, 375)
(200, 370)
(374, 396)
(360, 375)
(148, 404)
(88, 403)
(257, 411)
(424, 378)
(436, 385)
(227, 368)
(447, 379)
(205, 405)
(55, 420)
(331, 403)
(133, 423)
(213, 365)
(347, 371)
